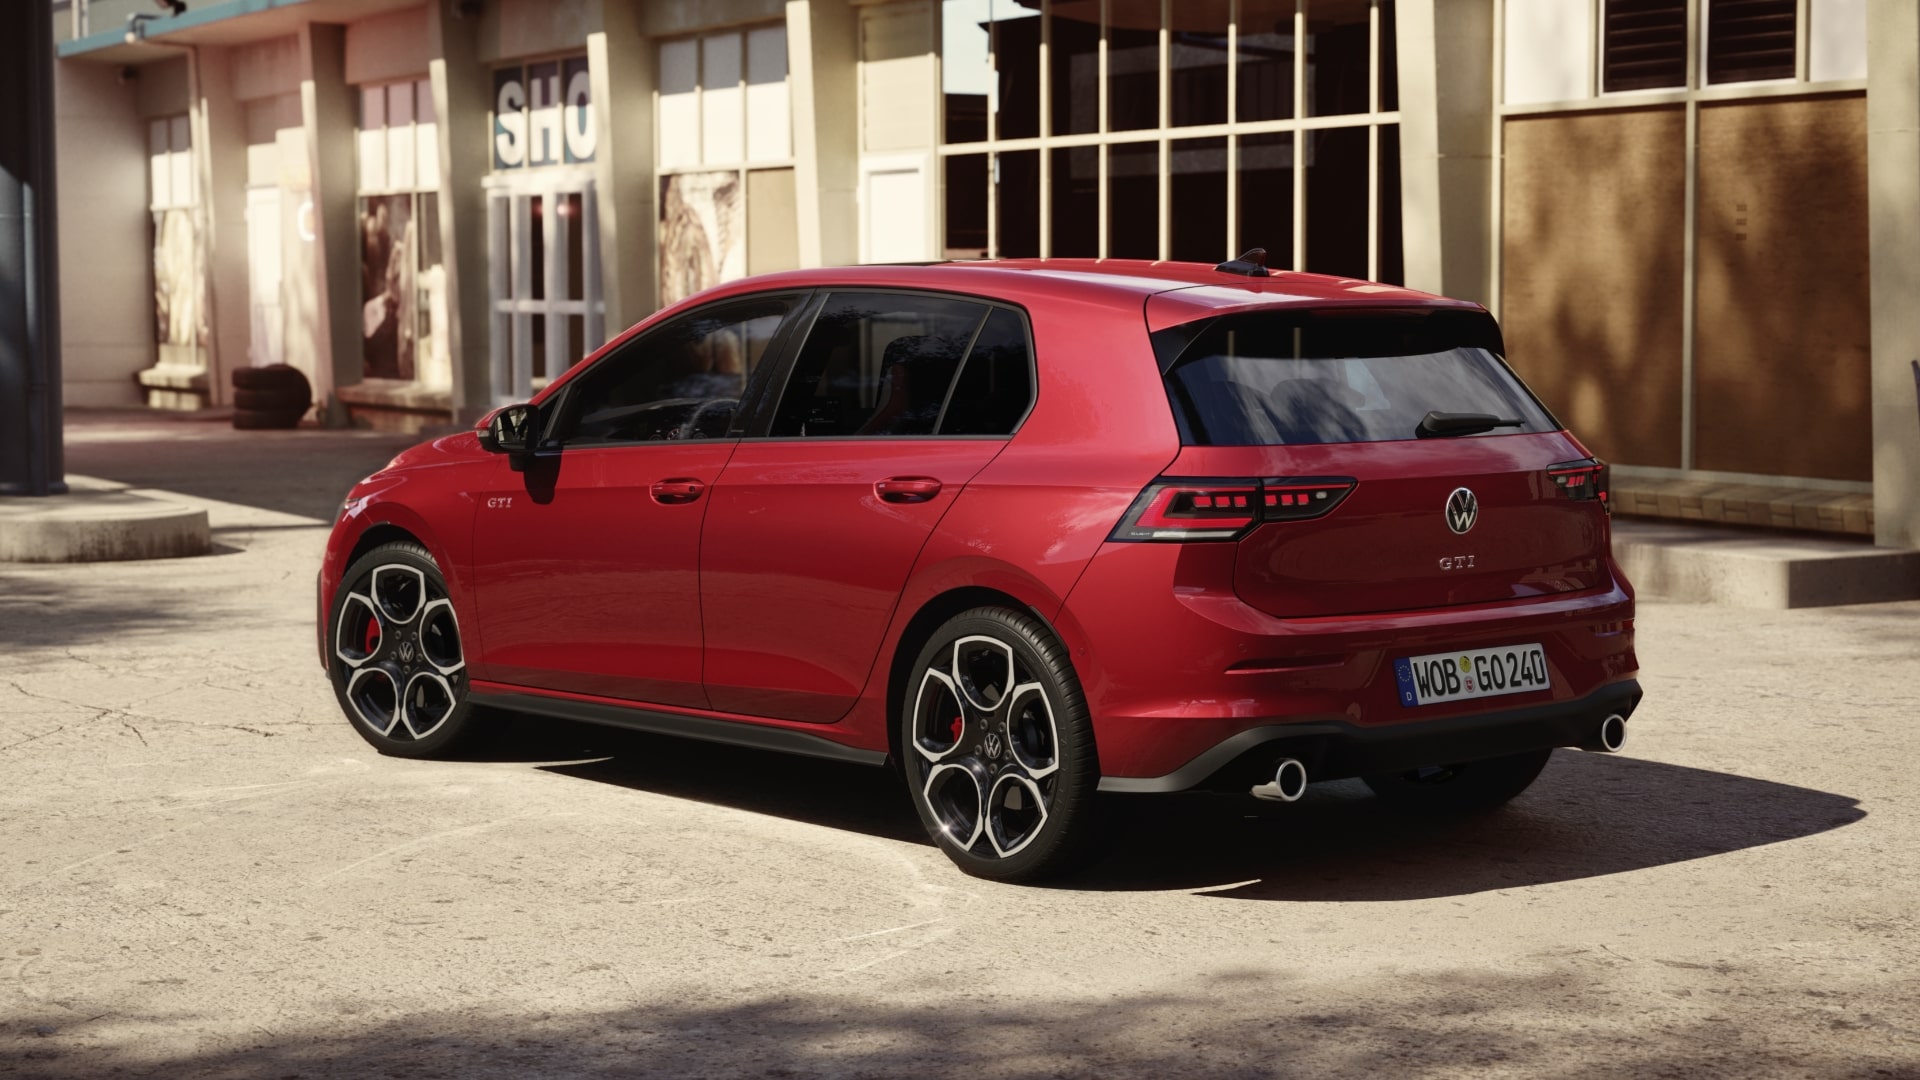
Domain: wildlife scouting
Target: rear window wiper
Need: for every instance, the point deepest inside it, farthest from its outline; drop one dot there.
(1441, 425)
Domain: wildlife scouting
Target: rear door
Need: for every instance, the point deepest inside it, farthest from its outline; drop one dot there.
(894, 402)
(1330, 405)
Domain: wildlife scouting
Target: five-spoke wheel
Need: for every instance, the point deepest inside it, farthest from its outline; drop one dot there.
(400, 673)
(997, 748)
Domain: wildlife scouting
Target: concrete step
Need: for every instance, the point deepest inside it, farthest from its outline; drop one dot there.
(100, 521)
(1745, 568)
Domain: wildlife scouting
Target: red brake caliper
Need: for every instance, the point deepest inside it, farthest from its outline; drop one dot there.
(373, 634)
(956, 729)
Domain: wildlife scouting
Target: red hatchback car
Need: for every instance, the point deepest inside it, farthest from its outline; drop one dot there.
(1028, 530)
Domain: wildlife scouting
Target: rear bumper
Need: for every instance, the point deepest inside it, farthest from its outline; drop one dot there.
(1333, 749)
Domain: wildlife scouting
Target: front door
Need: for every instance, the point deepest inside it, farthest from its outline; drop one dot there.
(544, 288)
(586, 564)
(814, 526)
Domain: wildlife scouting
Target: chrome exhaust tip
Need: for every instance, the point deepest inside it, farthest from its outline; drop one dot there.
(1288, 784)
(1609, 737)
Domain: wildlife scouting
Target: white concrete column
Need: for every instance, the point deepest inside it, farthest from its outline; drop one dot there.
(823, 46)
(1447, 115)
(1893, 220)
(329, 113)
(462, 100)
(220, 154)
(621, 62)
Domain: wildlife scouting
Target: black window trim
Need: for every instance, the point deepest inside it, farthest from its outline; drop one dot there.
(757, 382)
(769, 404)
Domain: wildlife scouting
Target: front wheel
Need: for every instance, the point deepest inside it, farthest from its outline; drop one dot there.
(997, 747)
(1463, 788)
(398, 666)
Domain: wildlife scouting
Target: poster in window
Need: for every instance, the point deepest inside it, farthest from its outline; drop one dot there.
(388, 291)
(177, 296)
(702, 238)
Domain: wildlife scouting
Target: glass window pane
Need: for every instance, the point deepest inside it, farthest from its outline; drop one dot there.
(1265, 54)
(1075, 202)
(722, 109)
(572, 216)
(1133, 65)
(1133, 201)
(400, 171)
(876, 364)
(1016, 193)
(769, 113)
(1016, 56)
(679, 116)
(159, 167)
(1337, 201)
(1389, 58)
(965, 196)
(1339, 39)
(423, 110)
(966, 71)
(388, 288)
(1199, 61)
(1075, 57)
(1199, 204)
(546, 140)
(1751, 40)
(373, 107)
(1645, 45)
(1393, 264)
(995, 387)
(683, 380)
(1266, 197)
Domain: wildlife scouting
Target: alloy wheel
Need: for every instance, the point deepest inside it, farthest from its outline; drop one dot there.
(987, 744)
(399, 641)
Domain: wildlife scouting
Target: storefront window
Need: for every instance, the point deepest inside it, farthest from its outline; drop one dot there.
(179, 286)
(1301, 155)
(725, 130)
(403, 297)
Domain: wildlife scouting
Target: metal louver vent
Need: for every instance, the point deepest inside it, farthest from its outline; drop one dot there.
(1645, 45)
(1749, 40)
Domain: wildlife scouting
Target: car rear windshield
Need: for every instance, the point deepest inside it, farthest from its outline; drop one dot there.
(1296, 378)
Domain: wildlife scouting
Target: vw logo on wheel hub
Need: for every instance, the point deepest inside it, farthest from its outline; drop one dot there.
(1463, 509)
(991, 747)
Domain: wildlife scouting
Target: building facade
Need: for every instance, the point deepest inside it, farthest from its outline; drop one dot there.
(1699, 220)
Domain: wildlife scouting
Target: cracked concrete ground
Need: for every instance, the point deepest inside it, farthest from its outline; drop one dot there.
(208, 874)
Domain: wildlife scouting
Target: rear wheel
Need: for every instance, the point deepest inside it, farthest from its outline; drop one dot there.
(398, 667)
(1460, 788)
(997, 748)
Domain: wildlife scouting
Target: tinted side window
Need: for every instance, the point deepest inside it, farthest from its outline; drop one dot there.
(682, 380)
(876, 364)
(996, 385)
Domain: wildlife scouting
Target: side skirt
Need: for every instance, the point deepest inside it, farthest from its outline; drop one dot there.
(658, 722)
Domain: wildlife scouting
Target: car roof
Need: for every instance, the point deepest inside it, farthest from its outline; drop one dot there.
(1185, 290)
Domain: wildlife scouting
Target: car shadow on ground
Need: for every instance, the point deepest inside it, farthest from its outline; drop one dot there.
(1588, 815)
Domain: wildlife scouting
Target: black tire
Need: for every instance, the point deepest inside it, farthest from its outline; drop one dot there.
(260, 420)
(423, 710)
(275, 400)
(1460, 789)
(983, 754)
(282, 377)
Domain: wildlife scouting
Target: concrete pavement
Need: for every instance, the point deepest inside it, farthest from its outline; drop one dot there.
(208, 874)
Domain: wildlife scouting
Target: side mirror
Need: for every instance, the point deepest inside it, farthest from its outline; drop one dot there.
(511, 430)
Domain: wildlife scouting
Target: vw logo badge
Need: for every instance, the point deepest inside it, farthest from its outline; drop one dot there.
(1462, 511)
(406, 652)
(992, 747)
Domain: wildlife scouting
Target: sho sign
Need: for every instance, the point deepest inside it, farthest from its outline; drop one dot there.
(543, 114)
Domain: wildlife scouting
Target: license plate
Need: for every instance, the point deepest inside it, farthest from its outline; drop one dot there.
(1473, 673)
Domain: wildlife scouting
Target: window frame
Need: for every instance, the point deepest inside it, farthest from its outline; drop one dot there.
(768, 406)
(566, 404)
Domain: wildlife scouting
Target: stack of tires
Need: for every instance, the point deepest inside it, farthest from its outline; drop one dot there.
(275, 396)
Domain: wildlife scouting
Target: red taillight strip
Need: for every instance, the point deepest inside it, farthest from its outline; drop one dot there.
(1189, 509)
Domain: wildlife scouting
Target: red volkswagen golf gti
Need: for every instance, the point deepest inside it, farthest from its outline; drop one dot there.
(1027, 530)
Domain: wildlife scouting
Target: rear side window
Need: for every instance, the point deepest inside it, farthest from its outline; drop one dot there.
(1299, 378)
(888, 365)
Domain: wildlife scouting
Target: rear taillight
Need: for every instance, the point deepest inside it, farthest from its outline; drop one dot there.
(1584, 480)
(1185, 509)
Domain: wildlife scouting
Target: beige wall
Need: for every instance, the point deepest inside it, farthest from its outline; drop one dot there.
(106, 249)
(1783, 331)
(1593, 270)
(388, 47)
